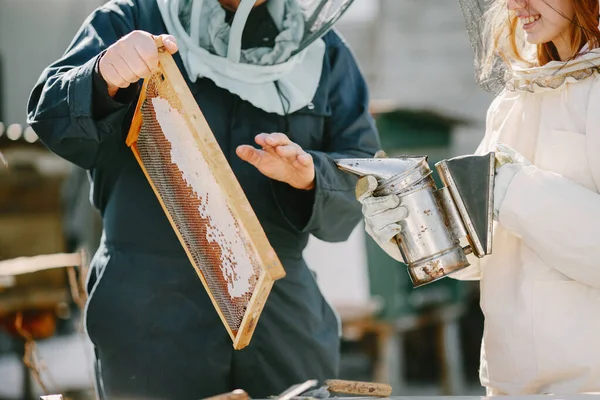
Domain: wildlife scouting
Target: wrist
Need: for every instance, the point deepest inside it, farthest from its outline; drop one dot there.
(112, 89)
(502, 181)
(304, 184)
(310, 186)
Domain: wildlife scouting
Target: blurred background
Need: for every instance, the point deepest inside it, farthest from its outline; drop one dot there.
(416, 57)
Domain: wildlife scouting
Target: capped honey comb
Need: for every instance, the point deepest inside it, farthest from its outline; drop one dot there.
(203, 200)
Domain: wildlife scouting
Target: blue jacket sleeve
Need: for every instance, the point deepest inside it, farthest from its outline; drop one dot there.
(69, 108)
(349, 132)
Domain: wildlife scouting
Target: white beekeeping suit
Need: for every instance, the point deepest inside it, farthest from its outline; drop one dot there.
(540, 289)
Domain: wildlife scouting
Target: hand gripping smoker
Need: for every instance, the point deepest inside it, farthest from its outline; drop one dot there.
(437, 218)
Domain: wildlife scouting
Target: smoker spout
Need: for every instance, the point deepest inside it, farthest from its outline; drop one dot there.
(381, 168)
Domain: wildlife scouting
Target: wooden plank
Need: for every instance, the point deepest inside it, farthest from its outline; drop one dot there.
(136, 123)
(28, 265)
(255, 306)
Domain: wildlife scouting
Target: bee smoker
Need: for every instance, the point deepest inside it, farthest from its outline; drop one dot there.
(437, 218)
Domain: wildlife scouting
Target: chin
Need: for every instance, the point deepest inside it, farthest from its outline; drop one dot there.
(535, 39)
(535, 42)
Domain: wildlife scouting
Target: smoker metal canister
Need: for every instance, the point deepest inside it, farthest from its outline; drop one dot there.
(427, 241)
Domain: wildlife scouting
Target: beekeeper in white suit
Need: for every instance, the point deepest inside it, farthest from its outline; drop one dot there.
(540, 289)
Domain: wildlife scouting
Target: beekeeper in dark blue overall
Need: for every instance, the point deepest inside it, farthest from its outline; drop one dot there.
(284, 97)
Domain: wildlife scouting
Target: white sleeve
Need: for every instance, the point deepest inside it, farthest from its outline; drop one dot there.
(558, 219)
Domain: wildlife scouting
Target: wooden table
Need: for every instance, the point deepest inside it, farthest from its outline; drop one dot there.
(361, 320)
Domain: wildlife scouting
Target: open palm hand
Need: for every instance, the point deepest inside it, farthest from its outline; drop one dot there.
(281, 159)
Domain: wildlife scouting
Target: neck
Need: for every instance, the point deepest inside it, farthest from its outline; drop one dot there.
(563, 48)
(232, 5)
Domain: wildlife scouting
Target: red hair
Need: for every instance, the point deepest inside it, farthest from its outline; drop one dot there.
(503, 38)
(584, 29)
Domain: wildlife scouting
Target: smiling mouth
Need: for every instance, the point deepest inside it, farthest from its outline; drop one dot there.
(529, 21)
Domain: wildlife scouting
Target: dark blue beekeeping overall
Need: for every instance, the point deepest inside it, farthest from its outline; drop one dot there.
(156, 333)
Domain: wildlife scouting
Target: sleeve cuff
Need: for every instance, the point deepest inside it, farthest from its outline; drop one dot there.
(302, 208)
(92, 110)
(331, 213)
(513, 202)
(296, 205)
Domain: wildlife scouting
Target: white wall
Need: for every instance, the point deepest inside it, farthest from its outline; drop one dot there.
(33, 33)
(417, 54)
(341, 269)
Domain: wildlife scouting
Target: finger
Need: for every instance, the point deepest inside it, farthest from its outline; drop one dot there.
(385, 235)
(261, 139)
(290, 151)
(274, 139)
(380, 154)
(507, 150)
(365, 186)
(514, 154)
(138, 65)
(146, 49)
(305, 159)
(392, 216)
(301, 167)
(123, 69)
(111, 76)
(504, 148)
(375, 205)
(501, 159)
(389, 232)
(249, 154)
(270, 150)
(296, 164)
(170, 43)
(303, 162)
